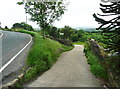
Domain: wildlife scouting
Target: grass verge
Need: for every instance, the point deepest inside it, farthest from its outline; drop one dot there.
(79, 43)
(96, 66)
(42, 55)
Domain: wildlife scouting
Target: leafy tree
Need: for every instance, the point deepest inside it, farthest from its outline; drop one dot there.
(6, 27)
(53, 31)
(110, 28)
(68, 31)
(44, 13)
(23, 25)
(80, 35)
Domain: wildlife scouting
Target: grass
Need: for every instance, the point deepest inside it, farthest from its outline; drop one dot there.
(79, 43)
(97, 68)
(42, 55)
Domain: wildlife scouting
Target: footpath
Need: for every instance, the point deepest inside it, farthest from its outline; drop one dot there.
(70, 70)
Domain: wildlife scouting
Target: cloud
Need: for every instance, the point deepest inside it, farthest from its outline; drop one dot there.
(79, 13)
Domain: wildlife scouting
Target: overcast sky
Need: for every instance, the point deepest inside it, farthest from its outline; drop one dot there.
(79, 14)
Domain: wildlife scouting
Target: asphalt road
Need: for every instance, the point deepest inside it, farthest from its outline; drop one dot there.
(0, 33)
(10, 44)
(71, 70)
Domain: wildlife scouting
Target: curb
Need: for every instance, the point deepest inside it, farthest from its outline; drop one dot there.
(14, 82)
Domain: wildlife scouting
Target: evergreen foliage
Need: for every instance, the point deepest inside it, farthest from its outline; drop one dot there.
(110, 28)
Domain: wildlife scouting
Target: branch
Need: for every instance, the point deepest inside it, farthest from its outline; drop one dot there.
(107, 5)
(106, 15)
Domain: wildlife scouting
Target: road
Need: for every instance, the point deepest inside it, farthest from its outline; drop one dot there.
(71, 70)
(12, 43)
(0, 34)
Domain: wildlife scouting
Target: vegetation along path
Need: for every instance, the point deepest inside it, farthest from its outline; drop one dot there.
(71, 70)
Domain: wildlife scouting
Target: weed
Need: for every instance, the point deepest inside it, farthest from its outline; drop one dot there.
(42, 55)
(96, 67)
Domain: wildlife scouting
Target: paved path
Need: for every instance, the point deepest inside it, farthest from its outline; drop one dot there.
(71, 70)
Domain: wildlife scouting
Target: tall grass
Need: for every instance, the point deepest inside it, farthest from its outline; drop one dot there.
(97, 68)
(79, 43)
(42, 55)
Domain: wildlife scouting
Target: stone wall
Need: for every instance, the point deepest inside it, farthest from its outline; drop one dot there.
(97, 49)
(102, 55)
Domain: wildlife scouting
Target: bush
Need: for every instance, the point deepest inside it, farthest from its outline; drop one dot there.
(42, 55)
(96, 67)
(22, 25)
(62, 41)
(35, 70)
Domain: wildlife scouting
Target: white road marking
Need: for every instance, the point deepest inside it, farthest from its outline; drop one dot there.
(12, 59)
(1, 34)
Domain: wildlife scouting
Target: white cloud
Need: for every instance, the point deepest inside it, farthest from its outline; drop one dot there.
(79, 13)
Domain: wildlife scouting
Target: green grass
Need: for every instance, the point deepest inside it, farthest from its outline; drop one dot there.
(79, 43)
(97, 68)
(42, 55)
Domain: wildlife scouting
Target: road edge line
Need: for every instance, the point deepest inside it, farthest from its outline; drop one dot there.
(1, 35)
(13, 58)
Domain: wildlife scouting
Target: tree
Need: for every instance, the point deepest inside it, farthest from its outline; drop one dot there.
(44, 13)
(53, 31)
(23, 25)
(6, 27)
(110, 28)
(68, 31)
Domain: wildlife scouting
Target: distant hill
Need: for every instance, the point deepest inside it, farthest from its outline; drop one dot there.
(37, 29)
(87, 29)
(78, 28)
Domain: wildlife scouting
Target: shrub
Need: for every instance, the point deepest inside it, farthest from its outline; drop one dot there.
(42, 55)
(96, 67)
(22, 25)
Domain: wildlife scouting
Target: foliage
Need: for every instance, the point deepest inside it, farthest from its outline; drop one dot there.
(79, 43)
(45, 13)
(96, 67)
(110, 28)
(54, 32)
(42, 55)
(66, 42)
(85, 36)
(22, 25)
(68, 31)
(6, 27)
(62, 33)
(78, 36)
(32, 33)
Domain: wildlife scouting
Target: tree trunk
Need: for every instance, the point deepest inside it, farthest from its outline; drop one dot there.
(43, 34)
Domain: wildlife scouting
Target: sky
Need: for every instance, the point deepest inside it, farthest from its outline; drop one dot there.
(79, 14)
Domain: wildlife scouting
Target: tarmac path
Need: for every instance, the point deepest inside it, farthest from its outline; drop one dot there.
(70, 70)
